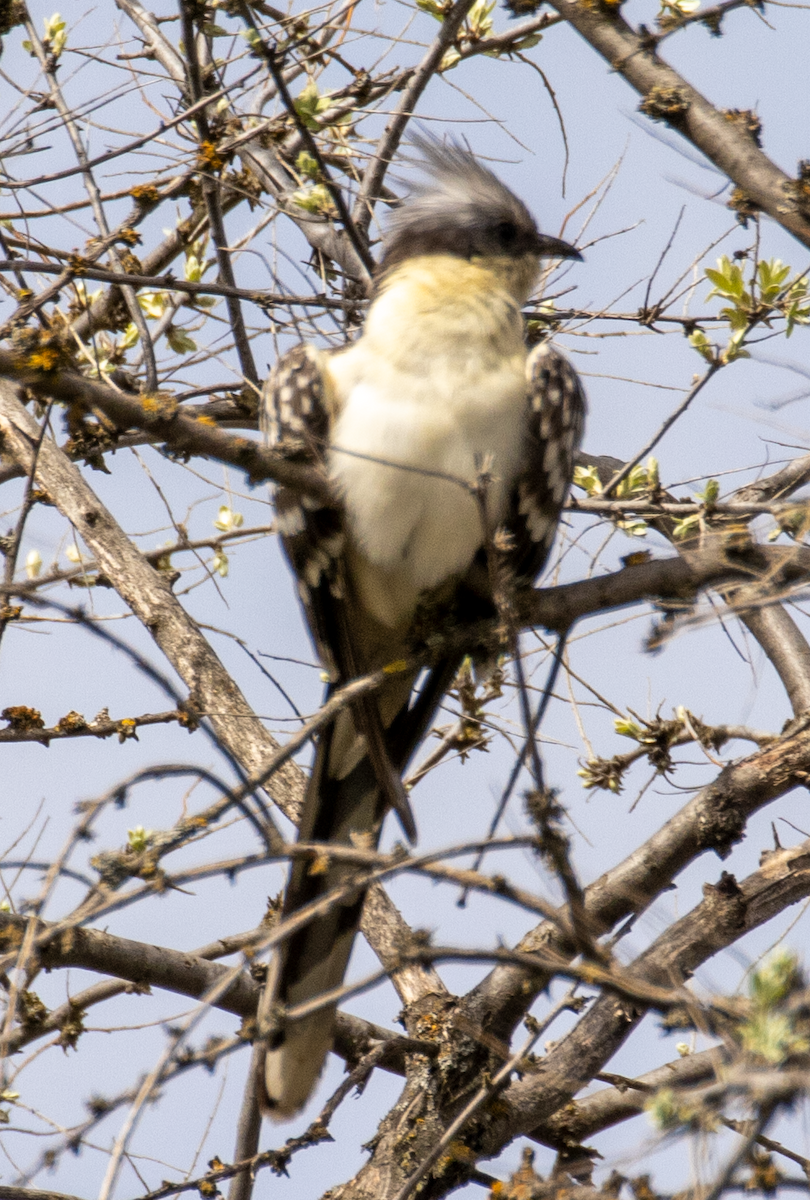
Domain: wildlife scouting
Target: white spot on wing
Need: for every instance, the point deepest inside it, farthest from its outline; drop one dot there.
(291, 521)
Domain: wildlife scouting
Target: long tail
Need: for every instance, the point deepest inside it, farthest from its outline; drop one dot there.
(314, 959)
(342, 806)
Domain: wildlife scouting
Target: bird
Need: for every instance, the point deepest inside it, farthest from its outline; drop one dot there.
(438, 391)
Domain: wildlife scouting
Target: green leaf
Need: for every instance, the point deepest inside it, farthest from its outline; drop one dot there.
(434, 7)
(153, 303)
(796, 313)
(310, 103)
(771, 1035)
(139, 838)
(710, 492)
(526, 43)
(637, 481)
(479, 18)
(634, 528)
(773, 982)
(727, 279)
(307, 165)
(315, 199)
(228, 519)
(179, 340)
(55, 35)
(686, 527)
(699, 341)
(587, 478)
(201, 302)
(796, 316)
(734, 348)
(771, 274)
(130, 337)
(665, 1111)
(736, 317)
(669, 1111)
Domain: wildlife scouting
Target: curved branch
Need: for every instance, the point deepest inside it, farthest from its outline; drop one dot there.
(669, 97)
(714, 819)
(729, 911)
(165, 421)
(786, 648)
(191, 974)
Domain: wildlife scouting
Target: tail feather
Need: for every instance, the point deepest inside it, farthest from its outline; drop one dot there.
(342, 808)
(343, 803)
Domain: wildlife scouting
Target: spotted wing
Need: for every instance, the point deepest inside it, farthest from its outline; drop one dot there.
(296, 418)
(556, 418)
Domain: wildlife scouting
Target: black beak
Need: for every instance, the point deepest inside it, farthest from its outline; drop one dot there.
(551, 247)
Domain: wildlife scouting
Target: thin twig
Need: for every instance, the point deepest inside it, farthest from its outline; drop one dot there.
(210, 188)
(388, 144)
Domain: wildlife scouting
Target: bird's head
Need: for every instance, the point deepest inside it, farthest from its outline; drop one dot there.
(462, 209)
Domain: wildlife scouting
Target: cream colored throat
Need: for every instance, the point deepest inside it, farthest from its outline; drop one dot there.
(434, 387)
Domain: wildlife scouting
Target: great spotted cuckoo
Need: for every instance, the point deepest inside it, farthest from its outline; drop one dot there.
(438, 387)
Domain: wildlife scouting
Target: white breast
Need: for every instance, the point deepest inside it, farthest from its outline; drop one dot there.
(428, 400)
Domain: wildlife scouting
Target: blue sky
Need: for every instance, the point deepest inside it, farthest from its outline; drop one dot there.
(634, 378)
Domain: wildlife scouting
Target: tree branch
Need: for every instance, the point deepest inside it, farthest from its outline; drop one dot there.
(669, 97)
(149, 596)
(185, 973)
(714, 819)
(728, 912)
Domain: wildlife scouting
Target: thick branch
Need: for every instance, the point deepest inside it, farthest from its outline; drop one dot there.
(725, 143)
(672, 579)
(714, 819)
(150, 598)
(161, 417)
(787, 649)
(184, 973)
(413, 981)
(611, 1105)
(19, 1193)
(728, 912)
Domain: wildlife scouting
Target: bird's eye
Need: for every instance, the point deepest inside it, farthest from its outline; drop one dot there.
(505, 234)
